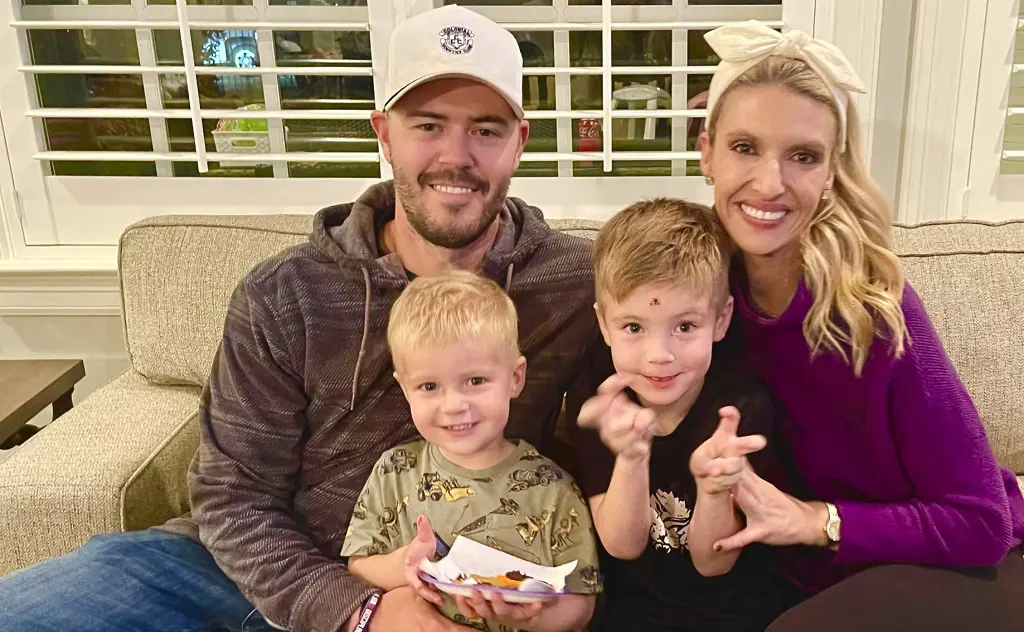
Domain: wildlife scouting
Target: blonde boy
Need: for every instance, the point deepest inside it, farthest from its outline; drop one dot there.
(674, 397)
(454, 342)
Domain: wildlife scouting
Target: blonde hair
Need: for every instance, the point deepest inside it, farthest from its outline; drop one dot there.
(438, 311)
(660, 242)
(848, 263)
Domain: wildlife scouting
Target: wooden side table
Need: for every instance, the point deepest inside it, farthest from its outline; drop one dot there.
(29, 386)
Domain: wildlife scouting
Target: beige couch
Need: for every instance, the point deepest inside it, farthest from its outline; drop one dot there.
(118, 460)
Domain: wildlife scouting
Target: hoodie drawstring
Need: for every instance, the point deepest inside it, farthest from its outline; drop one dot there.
(366, 334)
(508, 277)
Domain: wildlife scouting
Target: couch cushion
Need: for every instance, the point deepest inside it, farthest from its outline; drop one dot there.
(177, 275)
(969, 275)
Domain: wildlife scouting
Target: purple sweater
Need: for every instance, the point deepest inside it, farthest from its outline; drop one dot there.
(901, 450)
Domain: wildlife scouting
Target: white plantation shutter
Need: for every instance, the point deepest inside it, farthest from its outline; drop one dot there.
(124, 109)
(996, 181)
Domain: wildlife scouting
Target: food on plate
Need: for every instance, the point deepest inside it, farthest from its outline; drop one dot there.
(513, 580)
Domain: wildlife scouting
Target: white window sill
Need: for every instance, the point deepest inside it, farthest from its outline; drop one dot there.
(59, 287)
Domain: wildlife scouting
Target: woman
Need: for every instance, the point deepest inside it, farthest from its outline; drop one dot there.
(893, 469)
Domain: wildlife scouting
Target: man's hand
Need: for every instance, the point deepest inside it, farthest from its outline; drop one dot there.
(402, 610)
(422, 548)
(627, 429)
(717, 463)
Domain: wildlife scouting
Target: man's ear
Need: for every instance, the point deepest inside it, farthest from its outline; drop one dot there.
(523, 134)
(724, 318)
(602, 324)
(380, 123)
(518, 377)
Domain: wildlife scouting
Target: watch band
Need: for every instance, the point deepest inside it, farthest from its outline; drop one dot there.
(368, 609)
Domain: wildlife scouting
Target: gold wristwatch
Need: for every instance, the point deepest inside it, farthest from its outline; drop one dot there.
(832, 527)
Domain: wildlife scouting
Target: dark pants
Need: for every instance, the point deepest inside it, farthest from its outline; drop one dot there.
(898, 598)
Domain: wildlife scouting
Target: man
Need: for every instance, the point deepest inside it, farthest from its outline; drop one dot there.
(301, 400)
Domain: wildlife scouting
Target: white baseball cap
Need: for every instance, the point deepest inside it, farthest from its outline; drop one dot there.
(454, 42)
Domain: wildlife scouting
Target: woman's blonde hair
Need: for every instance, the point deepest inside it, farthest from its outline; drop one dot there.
(849, 266)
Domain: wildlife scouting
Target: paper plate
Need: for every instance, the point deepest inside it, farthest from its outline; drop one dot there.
(508, 594)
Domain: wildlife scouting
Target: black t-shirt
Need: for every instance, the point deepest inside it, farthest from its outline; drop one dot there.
(662, 590)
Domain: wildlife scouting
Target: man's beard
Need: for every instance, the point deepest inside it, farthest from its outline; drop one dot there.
(427, 227)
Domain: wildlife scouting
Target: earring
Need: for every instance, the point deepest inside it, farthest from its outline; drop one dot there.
(826, 195)
(708, 180)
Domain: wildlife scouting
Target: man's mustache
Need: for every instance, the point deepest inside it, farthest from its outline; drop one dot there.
(453, 178)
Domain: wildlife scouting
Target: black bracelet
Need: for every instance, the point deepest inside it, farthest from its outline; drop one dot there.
(368, 609)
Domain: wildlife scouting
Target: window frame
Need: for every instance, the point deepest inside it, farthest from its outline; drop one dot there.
(75, 240)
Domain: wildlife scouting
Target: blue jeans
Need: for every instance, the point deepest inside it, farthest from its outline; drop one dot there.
(144, 581)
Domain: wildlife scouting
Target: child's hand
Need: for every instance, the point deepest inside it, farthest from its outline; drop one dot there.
(717, 463)
(423, 547)
(492, 606)
(627, 429)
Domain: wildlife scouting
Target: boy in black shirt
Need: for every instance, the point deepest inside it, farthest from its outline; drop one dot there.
(669, 448)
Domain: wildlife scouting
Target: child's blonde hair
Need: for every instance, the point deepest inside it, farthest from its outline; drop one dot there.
(437, 311)
(848, 263)
(663, 241)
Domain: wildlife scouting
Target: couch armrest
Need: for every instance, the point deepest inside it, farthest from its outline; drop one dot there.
(116, 462)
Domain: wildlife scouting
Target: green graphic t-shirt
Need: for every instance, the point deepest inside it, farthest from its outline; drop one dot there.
(526, 506)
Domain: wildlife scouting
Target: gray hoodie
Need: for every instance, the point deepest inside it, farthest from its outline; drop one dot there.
(301, 400)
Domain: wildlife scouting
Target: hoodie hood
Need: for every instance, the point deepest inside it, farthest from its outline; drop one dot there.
(347, 234)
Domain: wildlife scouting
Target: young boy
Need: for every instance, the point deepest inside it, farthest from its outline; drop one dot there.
(454, 343)
(675, 397)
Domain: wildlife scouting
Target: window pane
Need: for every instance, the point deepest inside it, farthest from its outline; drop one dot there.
(56, 2)
(320, 49)
(500, 3)
(332, 136)
(90, 91)
(1013, 138)
(543, 138)
(315, 92)
(320, 3)
(629, 48)
(236, 47)
(70, 134)
(92, 47)
(205, 2)
(655, 3)
(216, 92)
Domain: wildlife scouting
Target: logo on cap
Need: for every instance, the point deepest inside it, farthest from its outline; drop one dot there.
(456, 40)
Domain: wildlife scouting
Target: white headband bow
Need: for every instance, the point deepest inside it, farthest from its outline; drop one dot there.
(743, 46)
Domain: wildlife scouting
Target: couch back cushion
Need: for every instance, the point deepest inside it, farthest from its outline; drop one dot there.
(971, 278)
(177, 275)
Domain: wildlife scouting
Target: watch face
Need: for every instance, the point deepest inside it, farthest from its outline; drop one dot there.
(832, 531)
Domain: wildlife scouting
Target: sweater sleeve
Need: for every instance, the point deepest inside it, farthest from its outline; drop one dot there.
(252, 426)
(958, 513)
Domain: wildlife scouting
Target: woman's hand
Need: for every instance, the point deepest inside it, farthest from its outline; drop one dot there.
(718, 463)
(774, 517)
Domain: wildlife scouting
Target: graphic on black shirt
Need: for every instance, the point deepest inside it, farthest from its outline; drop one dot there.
(670, 518)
